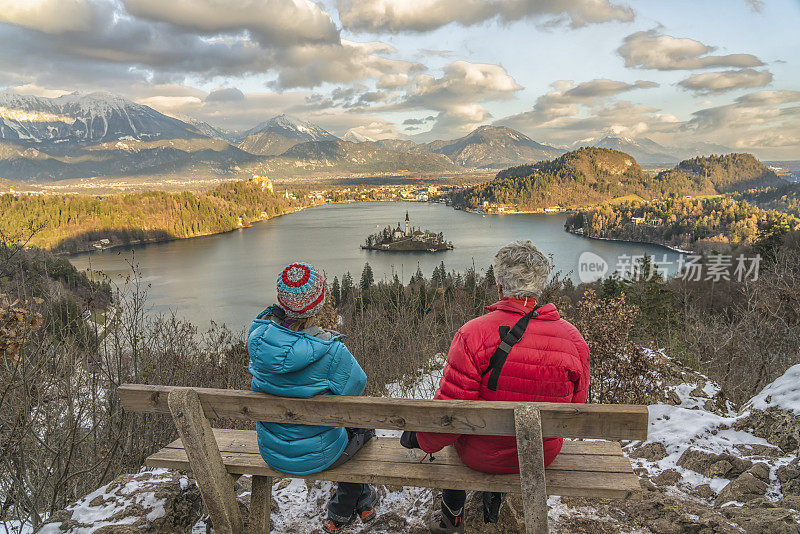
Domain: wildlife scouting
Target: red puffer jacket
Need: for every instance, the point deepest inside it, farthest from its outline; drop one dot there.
(549, 364)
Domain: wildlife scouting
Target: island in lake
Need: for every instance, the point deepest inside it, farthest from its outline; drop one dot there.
(407, 239)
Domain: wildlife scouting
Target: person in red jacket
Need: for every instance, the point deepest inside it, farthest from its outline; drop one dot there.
(544, 359)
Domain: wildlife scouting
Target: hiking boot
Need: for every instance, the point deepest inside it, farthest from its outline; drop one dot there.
(492, 501)
(441, 524)
(332, 526)
(367, 514)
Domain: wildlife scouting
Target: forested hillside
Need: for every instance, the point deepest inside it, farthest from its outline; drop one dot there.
(713, 223)
(784, 197)
(71, 223)
(731, 172)
(583, 177)
(590, 176)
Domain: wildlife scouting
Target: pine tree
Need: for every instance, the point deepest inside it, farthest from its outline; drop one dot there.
(367, 278)
(418, 276)
(422, 301)
(437, 278)
(489, 280)
(336, 292)
(347, 287)
(458, 281)
(471, 279)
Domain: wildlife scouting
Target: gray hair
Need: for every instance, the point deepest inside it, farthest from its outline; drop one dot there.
(521, 269)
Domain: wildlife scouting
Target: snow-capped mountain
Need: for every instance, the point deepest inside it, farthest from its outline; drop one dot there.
(279, 134)
(495, 147)
(648, 152)
(292, 127)
(354, 137)
(644, 150)
(100, 134)
(210, 131)
(78, 118)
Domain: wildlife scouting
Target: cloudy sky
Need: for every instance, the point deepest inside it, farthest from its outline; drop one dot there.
(680, 72)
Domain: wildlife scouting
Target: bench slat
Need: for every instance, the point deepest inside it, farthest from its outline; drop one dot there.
(604, 421)
(384, 461)
(574, 456)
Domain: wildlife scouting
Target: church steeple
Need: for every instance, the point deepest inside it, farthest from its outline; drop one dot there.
(408, 225)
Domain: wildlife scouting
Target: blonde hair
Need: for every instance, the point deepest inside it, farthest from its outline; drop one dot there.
(326, 318)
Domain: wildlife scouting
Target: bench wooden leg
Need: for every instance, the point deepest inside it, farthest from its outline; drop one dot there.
(216, 486)
(528, 426)
(260, 501)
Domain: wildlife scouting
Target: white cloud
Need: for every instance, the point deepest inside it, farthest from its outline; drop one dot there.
(393, 81)
(375, 129)
(457, 95)
(720, 82)
(225, 94)
(309, 66)
(294, 42)
(271, 22)
(756, 5)
(749, 111)
(51, 16)
(462, 79)
(568, 99)
(32, 89)
(425, 15)
(763, 122)
(766, 123)
(653, 50)
(603, 87)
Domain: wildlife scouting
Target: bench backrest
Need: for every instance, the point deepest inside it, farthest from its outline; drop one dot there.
(559, 420)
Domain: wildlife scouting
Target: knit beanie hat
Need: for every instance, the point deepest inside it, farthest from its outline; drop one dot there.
(301, 290)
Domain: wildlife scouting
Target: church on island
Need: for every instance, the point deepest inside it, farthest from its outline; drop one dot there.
(407, 239)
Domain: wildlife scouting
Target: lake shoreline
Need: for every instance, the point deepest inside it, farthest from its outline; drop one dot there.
(617, 240)
(170, 239)
(231, 278)
(671, 248)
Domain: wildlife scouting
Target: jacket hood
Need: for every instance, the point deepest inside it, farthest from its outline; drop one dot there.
(547, 312)
(279, 350)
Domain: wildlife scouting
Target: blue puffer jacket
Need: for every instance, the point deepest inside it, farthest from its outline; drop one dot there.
(297, 364)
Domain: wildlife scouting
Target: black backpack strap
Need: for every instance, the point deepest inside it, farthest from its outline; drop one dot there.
(508, 338)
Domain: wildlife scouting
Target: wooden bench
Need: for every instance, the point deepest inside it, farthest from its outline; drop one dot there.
(216, 457)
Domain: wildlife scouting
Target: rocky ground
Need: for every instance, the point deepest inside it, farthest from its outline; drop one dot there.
(707, 467)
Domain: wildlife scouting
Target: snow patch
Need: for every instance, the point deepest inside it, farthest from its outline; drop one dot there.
(783, 393)
(97, 509)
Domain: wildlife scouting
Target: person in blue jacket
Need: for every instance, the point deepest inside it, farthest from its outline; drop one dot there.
(292, 355)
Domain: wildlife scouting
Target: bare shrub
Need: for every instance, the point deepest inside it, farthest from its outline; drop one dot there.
(756, 337)
(62, 430)
(622, 371)
(395, 331)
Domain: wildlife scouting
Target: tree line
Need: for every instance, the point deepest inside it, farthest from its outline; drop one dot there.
(719, 223)
(71, 223)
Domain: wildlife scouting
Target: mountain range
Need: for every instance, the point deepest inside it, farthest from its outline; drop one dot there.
(100, 134)
(493, 147)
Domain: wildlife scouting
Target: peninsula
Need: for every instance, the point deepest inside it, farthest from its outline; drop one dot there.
(406, 239)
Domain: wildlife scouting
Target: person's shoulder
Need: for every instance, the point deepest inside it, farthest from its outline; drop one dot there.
(570, 331)
(482, 331)
(487, 320)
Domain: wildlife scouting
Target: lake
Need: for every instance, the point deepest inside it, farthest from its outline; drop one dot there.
(229, 278)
